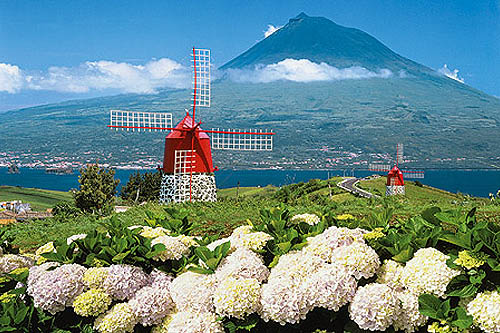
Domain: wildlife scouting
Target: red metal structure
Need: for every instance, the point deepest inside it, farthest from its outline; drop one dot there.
(187, 163)
(395, 180)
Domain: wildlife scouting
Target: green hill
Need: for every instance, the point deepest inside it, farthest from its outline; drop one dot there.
(38, 198)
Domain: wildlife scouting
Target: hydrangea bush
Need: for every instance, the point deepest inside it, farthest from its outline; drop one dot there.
(302, 273)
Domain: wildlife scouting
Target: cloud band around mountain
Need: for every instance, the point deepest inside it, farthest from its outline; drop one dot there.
(122, 77)
(303, 70)
(98, 75)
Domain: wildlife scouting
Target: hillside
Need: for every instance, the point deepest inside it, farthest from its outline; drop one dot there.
(322, 124)
(38, 198)
(318, 196)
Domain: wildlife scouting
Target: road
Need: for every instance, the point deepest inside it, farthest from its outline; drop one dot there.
(349, 185)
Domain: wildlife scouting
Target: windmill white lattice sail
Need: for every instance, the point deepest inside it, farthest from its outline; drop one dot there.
(400, 155)
(246, 139)
(135, 120)
(413, 174)
(201, 83)
(379, 167)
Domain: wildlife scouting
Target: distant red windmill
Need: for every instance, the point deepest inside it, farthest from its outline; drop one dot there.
(187, 162)
(395, 182)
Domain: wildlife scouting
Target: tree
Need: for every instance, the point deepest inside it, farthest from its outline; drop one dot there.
(97, 189)
(142, 187)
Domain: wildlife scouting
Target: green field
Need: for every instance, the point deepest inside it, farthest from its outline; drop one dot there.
(39, 199)
(232, 210)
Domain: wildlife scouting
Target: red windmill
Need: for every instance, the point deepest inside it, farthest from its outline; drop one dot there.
(187, 162)
(395, 182)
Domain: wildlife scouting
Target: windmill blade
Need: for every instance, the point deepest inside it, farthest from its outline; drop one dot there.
(184, 164)
(413, 173)
(201, 80)
(248, 139)
(379, 167)
(399, 153)
(134, 120)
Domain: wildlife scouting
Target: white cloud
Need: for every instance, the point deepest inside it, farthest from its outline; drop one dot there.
(451, 74)
(271, 29)
(303, 70)
(98, 76)
(11, 78)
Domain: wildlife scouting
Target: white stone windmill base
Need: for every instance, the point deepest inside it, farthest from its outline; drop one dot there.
(175, 188)
(394, 190)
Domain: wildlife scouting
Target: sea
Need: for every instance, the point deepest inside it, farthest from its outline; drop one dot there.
(475, 182)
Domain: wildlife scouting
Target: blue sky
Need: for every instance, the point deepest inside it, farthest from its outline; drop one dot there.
(71, 36)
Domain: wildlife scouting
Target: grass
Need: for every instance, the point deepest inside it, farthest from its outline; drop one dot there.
(39, 199)
(316, 196)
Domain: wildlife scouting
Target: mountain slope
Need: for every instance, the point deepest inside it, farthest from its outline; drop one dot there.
(321, 40)
(323, 124)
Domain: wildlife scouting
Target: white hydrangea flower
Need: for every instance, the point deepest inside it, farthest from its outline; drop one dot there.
(54, 290)
(91, 303)
(160, 279)
(174, 248)
(10, 262)
(331, 287)
(242, 263)
(72, 238)
(150, 232)
(283, 300)
(151, 304)
(360, 259)
(485, 311)
(123, 281)
(120, 319)
(242, 230)
(374, 307)
(255, 241)
(193, 322)
(427, 272)
(332, 238)
(46, 248)
(94, 277)
(237, 297)
(391, 274)
(311, 219)
(409, 318)
(296, 265)
(193, 292)
(188, 240)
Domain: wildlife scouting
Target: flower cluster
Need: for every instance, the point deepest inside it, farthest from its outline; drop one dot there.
(243, 236)
(332, 238)
(10, 262)
(470, 260)
(374, 307)
(174, 248)
(151, 304)
(119, 319)
(237, 297)
(242, 263)
(311, 219)
(91, 303)
(391, 273)
(190, 322)
(123, 281)
(150, 232)
(485, 310)
(427, 272)
(56, 289)
(193, 292)
(360, 259)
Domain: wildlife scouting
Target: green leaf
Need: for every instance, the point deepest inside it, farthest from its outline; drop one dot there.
(203, 253)
(404, 255)
(463, 320)
(284, 247)
(467, 291)
(430, 306)
(20, 315)
(212, 263)
(459, 239)
(200, 270)
(120, 256)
